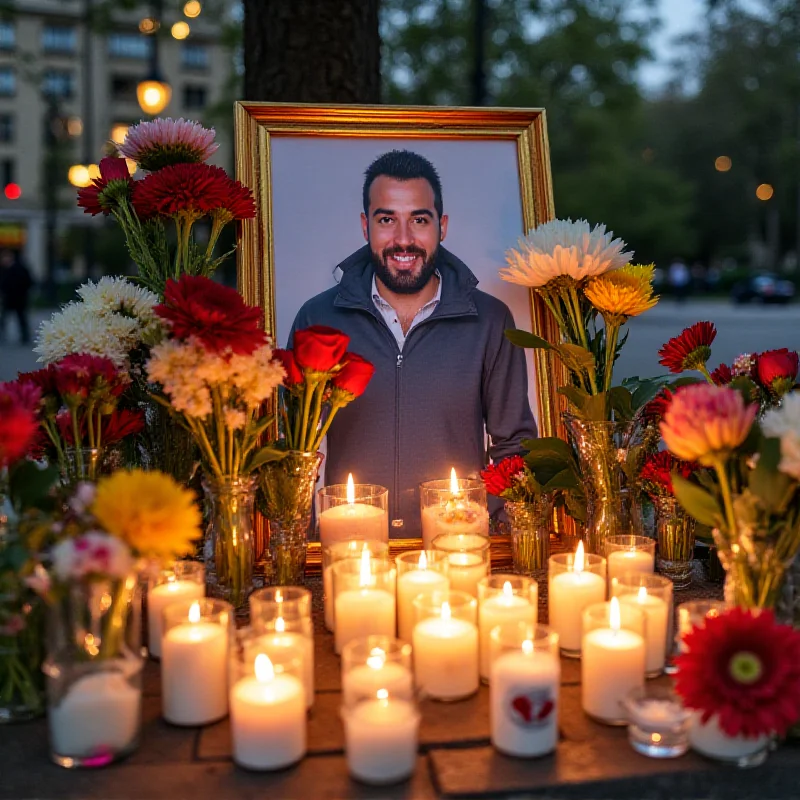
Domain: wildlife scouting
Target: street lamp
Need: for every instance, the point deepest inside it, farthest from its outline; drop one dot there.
(154, 93)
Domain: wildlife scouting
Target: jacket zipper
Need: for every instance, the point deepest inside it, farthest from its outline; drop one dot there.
(397, 437)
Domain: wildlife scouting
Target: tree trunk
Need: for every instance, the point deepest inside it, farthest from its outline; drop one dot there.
(312, 51)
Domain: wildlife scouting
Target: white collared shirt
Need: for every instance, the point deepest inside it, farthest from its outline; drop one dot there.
(391, 317)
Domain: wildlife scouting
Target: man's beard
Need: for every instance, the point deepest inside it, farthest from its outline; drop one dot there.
(404, 283)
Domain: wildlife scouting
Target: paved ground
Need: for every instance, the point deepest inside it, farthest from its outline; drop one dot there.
(741, 329)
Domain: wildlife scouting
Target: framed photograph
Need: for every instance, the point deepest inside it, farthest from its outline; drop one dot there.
(306, 163)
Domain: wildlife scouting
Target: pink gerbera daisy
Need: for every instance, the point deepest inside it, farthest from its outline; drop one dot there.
(162, 142)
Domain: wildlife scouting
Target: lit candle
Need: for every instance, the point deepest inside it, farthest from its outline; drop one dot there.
(158, 598)
(363, 611)
(194, 671)
(381, 738)
(622, 561)
(570, 592)
(656, 613)
(268, 718)
(378, 673)
(446, 656)
(468, 560)
(303, 645)
(496, 609)
(423, 580)
(99, 714)
(523, 703)
(353, 520)
(457, 516)
(613, 663)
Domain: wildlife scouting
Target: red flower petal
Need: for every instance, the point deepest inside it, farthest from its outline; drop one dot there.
(354, 376)
(499, 477)
(689, 349)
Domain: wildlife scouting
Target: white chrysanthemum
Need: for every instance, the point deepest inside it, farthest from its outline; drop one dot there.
(119, 295)
(784, 423)
(564, 248)
(177, 366)
(257, 375)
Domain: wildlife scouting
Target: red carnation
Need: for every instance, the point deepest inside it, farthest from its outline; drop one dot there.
(294, 375)
(239, 203)
(722, 375)
(18, 427)
(777, 370)
(214, 314)
(499, 477)
(353, 377)
(690, 350)
(99, 197)
(319, 348)
(744, 668)
(655, 410)
(80, 374)
(656, 474)
(44, 379)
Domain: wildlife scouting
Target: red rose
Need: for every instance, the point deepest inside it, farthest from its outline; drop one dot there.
(214, 314)
(777, 369)
(319, 348)
(294, 374)
(18, 428)
(354, 376)
(499, 477)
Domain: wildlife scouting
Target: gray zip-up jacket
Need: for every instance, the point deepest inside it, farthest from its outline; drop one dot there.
(425, 409)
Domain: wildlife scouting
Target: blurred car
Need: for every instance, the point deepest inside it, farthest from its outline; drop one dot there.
(764, 288)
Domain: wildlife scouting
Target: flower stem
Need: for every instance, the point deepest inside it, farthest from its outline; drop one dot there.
(308, 393)
(612, 336)
(703, 370)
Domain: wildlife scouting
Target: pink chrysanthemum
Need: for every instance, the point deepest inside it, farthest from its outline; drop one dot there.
(162, 142)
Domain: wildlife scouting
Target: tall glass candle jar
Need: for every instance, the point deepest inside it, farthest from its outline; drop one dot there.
(693, 614)
(468, 555)
(184, 580)
(454, 505)
(418, 572)
(373, 663)
(629, 554)
(353, 511)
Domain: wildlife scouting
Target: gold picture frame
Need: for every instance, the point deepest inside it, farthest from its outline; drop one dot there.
(258, 124)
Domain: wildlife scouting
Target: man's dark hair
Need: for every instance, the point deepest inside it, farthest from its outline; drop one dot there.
(403, 165)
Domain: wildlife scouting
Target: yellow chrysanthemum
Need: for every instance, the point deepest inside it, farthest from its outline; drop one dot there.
(148, 510)
(626, 292)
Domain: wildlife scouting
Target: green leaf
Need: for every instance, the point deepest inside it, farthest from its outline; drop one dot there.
(266, 455)
(773, 488)
(699, 503)
(527, 339)
(575, 358)
(550, 445)
(567, 480)
(576, 396)
(620, 401)
(29, 485)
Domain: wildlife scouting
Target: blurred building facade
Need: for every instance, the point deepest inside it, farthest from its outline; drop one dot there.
(68, 87)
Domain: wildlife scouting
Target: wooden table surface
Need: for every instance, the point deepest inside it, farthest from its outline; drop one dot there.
(455, 756)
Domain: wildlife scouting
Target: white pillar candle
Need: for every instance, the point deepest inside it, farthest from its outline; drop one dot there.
(497, 609)
(622, 561)
(710, 740)
(381, 739)
(268, 719)
(99, 713)
(367, 679)
(656, 613)
(409, 586)
(446, 656)
(273, 644)
(523, 703)
(194, 671)
(352, 520)
(465, 570)
(158, 598)
(458, 516)
(351, 548)
(613, 663)
(569, 593)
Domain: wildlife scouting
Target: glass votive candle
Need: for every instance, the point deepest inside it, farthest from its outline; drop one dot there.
(658, 724)
(418, 572)
(268, 706)
(445, 641)
(373, 663)
(454, 505)
(468, 555)
(653, 595)
(613, 659)
(575, 581)
(381, 734)
(194, 661)
(693, 614)
(504, 598)
(184, 580)
(630, 554)
(524, 689)
(338, 551)
(363, 598)
(353, 511)
(285, 602)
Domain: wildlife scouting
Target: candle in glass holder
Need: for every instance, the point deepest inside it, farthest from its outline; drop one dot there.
(185, 580)
(353, 512)
(457, 506)
(629, 554)
(292, 635)
(418, 572)
(575, 582)
(468, 558)
(373, 663)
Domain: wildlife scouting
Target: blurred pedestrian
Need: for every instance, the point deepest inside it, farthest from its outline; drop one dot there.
(15, 287)
(679, 279)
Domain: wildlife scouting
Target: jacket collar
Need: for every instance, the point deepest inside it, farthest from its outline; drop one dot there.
(458, 282)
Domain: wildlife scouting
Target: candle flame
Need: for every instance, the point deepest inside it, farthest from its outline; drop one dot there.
(453, 481)
(280, 625)
(382, 694)
(265, 672)
(351, 490)
(577, 564)
(377, 658)
(446, 613)
(423, 560)
(507, 590)
(278, 596)
(527, 647)
(614, 616)
(642, 597)
(365, 579)
(194, 612)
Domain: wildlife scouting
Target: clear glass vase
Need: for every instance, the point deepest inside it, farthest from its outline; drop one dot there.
(166, 445)
(675, 540)
(21, 655)
(529, 527)
(94, 672)
(286, 498)
(230, 546)
(607, 452)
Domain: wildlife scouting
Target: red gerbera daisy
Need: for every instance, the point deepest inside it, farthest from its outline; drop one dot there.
(744, 668)
(656, 474)
(655, 410)
(722, 375)
(101, 195)
(214, 314)
(690, 350)
(499, 477)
